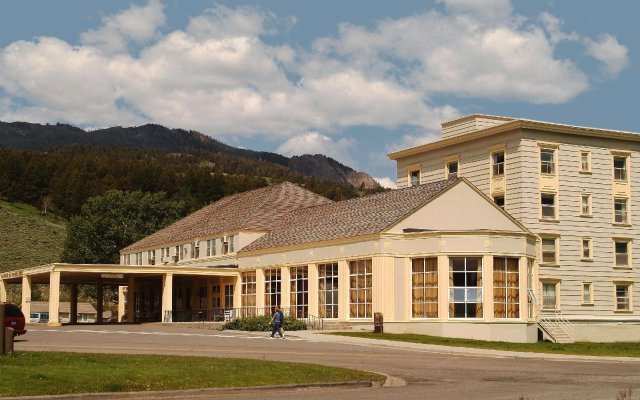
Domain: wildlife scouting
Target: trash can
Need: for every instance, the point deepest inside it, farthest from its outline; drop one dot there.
(378, 322)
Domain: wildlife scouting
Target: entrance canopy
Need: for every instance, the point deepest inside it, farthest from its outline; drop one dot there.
(100, 275)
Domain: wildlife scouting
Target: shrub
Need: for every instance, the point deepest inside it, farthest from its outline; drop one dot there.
(262, 324)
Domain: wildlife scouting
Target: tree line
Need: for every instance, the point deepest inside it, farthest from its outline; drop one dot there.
(61, 180)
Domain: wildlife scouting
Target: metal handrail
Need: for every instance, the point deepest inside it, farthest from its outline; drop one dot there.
(555, 316)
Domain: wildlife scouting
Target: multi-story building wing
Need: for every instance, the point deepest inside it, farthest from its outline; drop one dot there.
(576, 188)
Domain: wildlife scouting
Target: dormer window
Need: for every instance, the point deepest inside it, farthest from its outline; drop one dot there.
(452, 169)
(414, 177)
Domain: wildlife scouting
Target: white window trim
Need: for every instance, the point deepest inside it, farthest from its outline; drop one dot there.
(628, 210)
(615, 297)
(629, 242)
(556, 238)
(590, 197)
(555, 282)
(449, 160)
(556, 208)
(504, 163)
(580, 170)
(587, 303)
(582, 257)
(414, 168)
(627, 156)
(548, 146)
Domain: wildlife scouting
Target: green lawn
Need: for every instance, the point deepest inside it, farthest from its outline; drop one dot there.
(618, 349)
(41, 373)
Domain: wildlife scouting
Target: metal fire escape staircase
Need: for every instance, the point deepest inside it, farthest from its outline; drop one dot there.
(553, 324)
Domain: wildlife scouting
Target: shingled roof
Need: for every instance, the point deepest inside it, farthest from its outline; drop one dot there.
(260, 209)
(349, 218)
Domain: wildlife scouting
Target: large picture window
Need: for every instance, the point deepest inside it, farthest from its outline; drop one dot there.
(424, 283)
(506, 287)
(272, 288)
(299, 293)
(248, 294)
(465, 287)
(328, 290)
(360, 288)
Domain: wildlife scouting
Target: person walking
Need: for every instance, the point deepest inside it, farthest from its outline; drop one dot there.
(276, 321)
(281, 322)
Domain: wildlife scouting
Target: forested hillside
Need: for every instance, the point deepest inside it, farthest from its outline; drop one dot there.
(62, 179)
(43, 137)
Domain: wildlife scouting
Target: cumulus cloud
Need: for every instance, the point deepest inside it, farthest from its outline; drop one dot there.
(219, 74)
(611, 54)
(317, 143)
(386, 182)
(136, 24)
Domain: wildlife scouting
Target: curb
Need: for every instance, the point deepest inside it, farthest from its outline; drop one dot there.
(178, 394)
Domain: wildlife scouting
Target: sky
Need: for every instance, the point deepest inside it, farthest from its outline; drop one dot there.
(352, 80)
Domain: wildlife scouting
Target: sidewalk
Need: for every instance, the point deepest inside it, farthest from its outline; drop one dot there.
(320, 336)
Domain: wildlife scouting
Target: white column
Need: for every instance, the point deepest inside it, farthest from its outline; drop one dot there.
(26, 296)
(121, 302)
(167, 297)
(487, 287)
(343, 290)
(54, 299)
(131, 300)
(443, 288)
(285, 288)
(524, 289)
(223, 299)
(237, 292)
(260, 291)
(3, 291)
(313, 290)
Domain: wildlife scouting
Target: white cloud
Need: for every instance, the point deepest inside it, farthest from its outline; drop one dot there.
(219, 76)
(610, 53)
(317, 143)
(136, 24)
(386, 182)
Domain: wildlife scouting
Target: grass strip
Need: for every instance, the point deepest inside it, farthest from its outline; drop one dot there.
(49, 373)
(615, 349)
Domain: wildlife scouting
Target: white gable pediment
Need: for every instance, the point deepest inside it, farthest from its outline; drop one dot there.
(461, 208)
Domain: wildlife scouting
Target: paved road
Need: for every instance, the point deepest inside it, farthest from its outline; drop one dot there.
(428, 375)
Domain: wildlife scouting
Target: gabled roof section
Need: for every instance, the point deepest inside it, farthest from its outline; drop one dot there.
(349, 218)
(259, 209)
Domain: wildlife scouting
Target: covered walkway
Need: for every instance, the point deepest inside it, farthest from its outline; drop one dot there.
(145, 292)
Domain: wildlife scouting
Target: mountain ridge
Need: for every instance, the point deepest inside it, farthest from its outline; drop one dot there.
(42, 137)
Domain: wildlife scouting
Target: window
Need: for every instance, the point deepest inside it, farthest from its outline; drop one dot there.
(587, 293)
(139, 258)
(548, 205)
(211, 247)
(620, 168)
(452, 169)
(424, 283)
(151, 256)
(497, 160)
(272, 289)
(328, 290)
(360, 289)
(547, 161)
(248, 295)
(465, 287)
(549, 296)
(620, 211)
(585, 161)
(225, 245)
(228, 296)
(586, 249)
(549, 253)
(585, 204)
(499, 200)
(195, 250)
(414, 177)
(622, 253)
(232, 243)
(623, 297)
(215, 296)
(299, 291)
(176, 256)
(506, 287)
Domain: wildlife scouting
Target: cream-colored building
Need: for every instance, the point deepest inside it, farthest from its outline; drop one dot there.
(439, 258)
(576, 188)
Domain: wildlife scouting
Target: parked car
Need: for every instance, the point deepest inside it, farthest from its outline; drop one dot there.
(14, 318)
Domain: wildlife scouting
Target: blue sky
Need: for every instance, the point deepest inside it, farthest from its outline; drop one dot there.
(354, 80)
